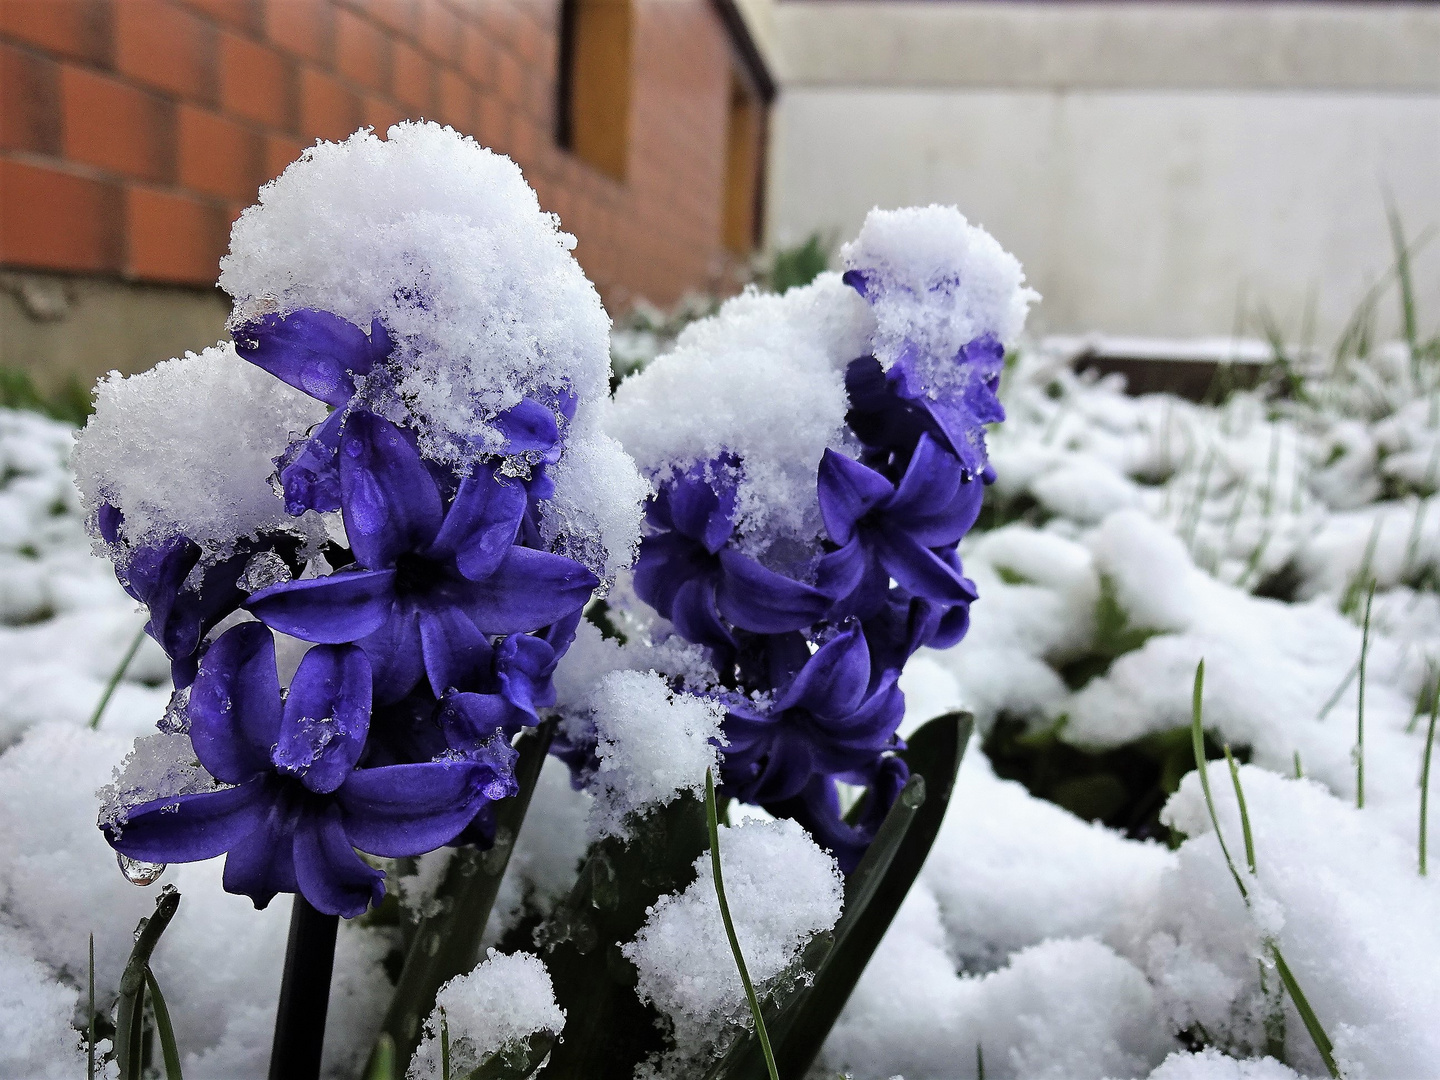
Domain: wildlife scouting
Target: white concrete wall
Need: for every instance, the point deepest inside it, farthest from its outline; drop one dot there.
(1155, 166)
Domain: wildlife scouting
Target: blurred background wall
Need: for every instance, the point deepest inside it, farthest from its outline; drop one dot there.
(133, 132)
(1157, 166)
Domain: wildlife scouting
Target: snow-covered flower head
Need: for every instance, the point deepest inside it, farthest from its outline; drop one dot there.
(399, 461)
(818, 456)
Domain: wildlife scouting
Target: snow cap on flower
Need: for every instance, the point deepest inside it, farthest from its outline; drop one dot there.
(186, 449)
(761, 382)
(445, 244)
(936, 281)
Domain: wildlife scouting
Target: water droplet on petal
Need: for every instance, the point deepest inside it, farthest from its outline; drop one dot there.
(138, 872)
(263, 570)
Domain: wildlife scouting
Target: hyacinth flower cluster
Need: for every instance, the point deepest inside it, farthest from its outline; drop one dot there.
(809, 626)
(363, 583)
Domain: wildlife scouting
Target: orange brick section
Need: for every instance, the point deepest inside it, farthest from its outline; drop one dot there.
(174, 237)
(117, 127)
(29, 102)
(161, 44)
(132, 132)
(56, 221)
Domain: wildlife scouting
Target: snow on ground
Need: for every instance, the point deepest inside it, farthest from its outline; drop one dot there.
(1127, 539)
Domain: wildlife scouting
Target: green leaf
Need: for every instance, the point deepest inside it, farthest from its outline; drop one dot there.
(130, 1008)
(382, 1060)
(515, 1062)
(115, 677)
(608, 1030)
(448, 943)
(873, 894)
(163, 1028)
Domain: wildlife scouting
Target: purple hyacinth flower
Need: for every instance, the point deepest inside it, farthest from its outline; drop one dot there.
(321, 354)
(689, 573)
(297, 807)
(430, 584)
(887, 530)
(830, 719)
(817, 808)
(163, 578)
(889, 410)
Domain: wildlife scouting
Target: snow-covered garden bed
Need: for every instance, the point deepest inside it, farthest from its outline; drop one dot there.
(1125, 540)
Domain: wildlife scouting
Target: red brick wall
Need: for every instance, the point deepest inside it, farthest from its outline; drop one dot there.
(132, 132)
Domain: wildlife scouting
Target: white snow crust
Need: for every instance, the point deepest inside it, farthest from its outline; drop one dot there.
(782, 890)
(503, 1001)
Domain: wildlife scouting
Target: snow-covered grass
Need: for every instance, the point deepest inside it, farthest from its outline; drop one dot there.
(1077, 917)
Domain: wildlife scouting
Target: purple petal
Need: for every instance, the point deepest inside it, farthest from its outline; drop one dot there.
(263, 863)
(758, 599)
(524, 665)
(344, 606)
(481, 524)
(472, 720)
(313, 351)
(695, 616)
(453, 648)
(530, 589)
(528, 426)
(665, 563)
(235, 704)
(400, 810)
(701, 513)
(327, 716)
(397, 659)
(832, 683)
(921, 571)
(190, 828)
(310, 469)
(328, 872)
(388, 498)
(848, 491)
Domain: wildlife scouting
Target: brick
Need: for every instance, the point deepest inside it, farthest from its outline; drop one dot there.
(530, 41)
(492, 123)
(247, 15)
(457, 101)
(439, 31)
(279, 153)
(414, 80)
(398, 15)
(173, 238)
(29, 102)
(525, 139)
(79, 29)
(218, 156)
(328, 109)
(257, 82)
(112, 125)
(54, 220)
(362, 50)
(380, 113)
(160, 44)
(477, 56)
(303, 27)
(509, 79)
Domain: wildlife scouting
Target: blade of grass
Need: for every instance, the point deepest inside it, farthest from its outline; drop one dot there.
(115, 678)
(90, 1027)
(1244, 813)
(163, 1028)
(130, 1008)
(1425, 783)
(1307, 1015)
(1299, 772)
(712, 819)
(1406, 282)
(444, 1047)
(382, 1059)
(1292, 985)
(1334, 699)
(1360, 707)
(1197, 742)
(979, 1062)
